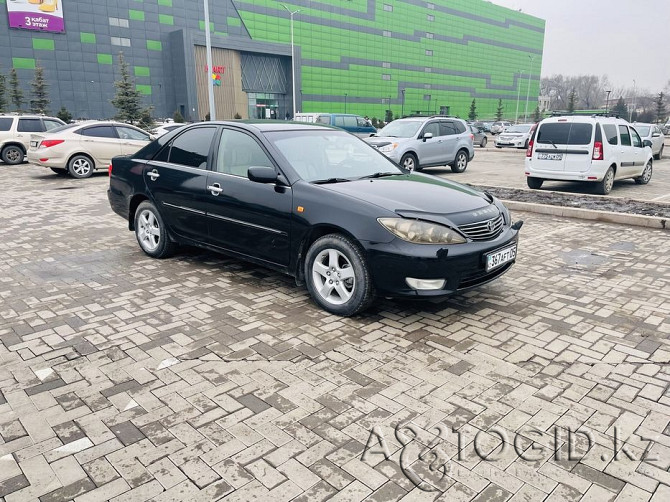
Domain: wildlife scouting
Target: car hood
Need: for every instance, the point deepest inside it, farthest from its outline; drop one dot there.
(514, 134)
(423, 197)
(384, 140)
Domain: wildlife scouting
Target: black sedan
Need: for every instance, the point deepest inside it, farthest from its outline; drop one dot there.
(314, 202)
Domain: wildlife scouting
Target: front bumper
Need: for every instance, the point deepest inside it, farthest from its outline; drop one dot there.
(462, 266)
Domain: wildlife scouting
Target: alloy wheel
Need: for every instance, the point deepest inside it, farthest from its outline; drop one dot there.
(149, 232)
(13, 155)
(461, 161)
(646, 174)
(333, 276)
(409, 163)
(609, 181)
(81, 166)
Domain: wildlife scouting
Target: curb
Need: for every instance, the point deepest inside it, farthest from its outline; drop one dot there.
(586, 195)
(638, 220)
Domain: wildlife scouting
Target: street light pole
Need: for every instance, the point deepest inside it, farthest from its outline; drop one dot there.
(607, 102)
(530, 72)
(518, 95)
(402, 106)
(630, 116)
(208, 48)
(345, 102)
(291, 14)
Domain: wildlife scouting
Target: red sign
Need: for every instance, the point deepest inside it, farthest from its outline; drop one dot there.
(216, 69)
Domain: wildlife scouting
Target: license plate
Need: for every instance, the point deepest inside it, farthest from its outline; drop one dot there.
(550, 156)
(33, 144)
(499, 258)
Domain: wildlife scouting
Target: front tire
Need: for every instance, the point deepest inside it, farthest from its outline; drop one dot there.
(534, 183)
(80, 166)
(460, 162)
(337, 276)
(646, 175)
(604, 187)
(151, 233)
(659, 155)
(12, 155)
(410, 162)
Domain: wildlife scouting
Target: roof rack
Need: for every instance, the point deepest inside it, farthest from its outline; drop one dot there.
(559, 113)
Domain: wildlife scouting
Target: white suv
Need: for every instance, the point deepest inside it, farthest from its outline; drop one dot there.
(593, 149)
(15, 131)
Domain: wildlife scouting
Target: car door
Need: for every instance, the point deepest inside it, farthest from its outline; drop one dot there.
(430, 150)
(639, 153)
(626, 153)
(246, 217)
(132, 139)
(176, 179)
(101, 143)
(657, 139)
(449, 132)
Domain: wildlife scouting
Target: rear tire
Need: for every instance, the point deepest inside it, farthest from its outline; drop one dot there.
(80, 167)
(460, 162)
(12, 155)
(659, 155)
(482, 144)
(604, 187)
(646, 175)
(151, 232)
(410, 162)
(534, 183)
(337, 275)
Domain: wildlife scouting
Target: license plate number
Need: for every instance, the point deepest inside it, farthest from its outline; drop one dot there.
(499, 258)
(33, 144)
(550, 156)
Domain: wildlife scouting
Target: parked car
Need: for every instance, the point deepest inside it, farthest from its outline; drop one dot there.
(80, 149)
(15, 131)
(486, 126)
(653, 133)
(419, 142)
(478, 136)
(498, 127)
(593, 149)
(516, 136)
(165, 128)
(316, 203)
(355, 124)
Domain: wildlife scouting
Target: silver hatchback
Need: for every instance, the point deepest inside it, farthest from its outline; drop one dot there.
(418, 142)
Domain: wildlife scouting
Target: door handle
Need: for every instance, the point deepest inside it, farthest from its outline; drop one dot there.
(153, 175)
(215, 189)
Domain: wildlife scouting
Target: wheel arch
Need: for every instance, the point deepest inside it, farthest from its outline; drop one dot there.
(81, 154)
(14, 143)
(135, 201)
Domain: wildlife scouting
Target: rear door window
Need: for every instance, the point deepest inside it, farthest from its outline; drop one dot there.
(565, 133)
(30, 125)
(99, 132)
(610, 134)
(625, 135)
(5, 123)
(130, 133)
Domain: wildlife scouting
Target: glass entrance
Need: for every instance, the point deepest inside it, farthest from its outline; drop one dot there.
(265, 106)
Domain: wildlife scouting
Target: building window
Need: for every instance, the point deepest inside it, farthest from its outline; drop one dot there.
(121, 23)
(386, 76)
(123, 42)
(430, 17)
(428, 69)
(386, 65)
(387, 33)
(429, 35)
(426, 86)
(427, 97)
(429, 52)
(431, 6)
(388, 8)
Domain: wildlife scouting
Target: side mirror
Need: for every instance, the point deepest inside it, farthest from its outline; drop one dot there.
(152, 137)
(646, 142)
(655, 135)
(262, 174)
(427, 135)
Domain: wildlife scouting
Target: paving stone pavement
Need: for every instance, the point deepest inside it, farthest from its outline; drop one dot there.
(204, 378)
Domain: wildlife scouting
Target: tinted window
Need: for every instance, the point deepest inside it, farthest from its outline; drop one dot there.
(433, 128)
(51, 124)
(5, 123)
(238, 152)
(565, 134)
(349, 121)
(99, 132)
(130, 133)
(447, 128)
(610, 134)
(30, 125)
(460, 128)
(360, 122)
(625, 136)
(636, 138)
(192, 147)
(172, 128)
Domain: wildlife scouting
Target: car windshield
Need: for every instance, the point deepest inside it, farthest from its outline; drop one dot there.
(326, 155)
(400, 129)
(519, 128)
(643, 130)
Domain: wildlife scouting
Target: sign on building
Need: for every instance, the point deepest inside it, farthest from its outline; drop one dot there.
(41, 15)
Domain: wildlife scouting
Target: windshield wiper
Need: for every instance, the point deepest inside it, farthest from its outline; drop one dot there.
(329, 180)
(377, 175)
(553, 144)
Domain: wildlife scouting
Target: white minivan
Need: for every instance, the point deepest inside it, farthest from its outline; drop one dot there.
(594, 149)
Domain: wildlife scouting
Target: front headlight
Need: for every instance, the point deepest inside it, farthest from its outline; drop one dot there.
(421, 232)
(388, 148)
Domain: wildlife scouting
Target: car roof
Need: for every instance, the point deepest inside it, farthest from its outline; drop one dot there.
(27, 116)
(271, 125)
(584, 119)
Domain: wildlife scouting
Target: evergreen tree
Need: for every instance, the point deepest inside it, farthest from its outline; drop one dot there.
(3, 92)
(40, 101)
(473, 111)
(661, 114)
(537, 115)
(572, 98)
(15, 93)
(179, 118)
(127, 100)
(389, 116)
(146, 120)
(620, 109)
(499, 111)
(64, 115)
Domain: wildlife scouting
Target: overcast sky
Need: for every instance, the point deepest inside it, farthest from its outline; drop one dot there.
(623, 39)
